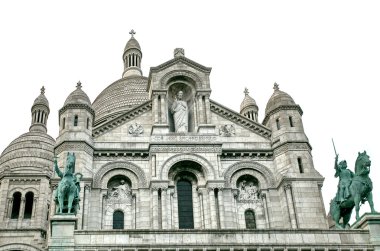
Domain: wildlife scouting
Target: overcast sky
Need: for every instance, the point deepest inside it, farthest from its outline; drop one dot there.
(325, 54)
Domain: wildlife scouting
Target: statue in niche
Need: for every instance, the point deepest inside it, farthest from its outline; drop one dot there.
(248, 191)
(121, 191)
(180, 113)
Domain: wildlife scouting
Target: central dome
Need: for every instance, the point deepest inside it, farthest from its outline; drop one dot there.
(119, 97)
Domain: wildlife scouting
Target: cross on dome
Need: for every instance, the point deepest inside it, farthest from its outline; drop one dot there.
(246, 91)
(275, 86)
(79, 85)
(132, 32)
(43, 90)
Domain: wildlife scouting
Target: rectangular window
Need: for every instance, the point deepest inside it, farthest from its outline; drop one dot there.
(300, 166)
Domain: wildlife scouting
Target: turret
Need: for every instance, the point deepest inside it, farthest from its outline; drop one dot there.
(132, 57)
(40, 113)
(248, 107)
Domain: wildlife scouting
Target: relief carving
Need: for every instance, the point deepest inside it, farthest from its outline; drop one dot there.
(135, 129)
(227, 130)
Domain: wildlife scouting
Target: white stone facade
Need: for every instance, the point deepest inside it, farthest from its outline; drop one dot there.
(230, 182)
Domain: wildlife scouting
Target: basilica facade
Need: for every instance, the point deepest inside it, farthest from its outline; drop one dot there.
(161, 166)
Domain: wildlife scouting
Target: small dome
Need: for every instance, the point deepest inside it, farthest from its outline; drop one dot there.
(132, 44)
(278, 98)
(41, 99)
(247, 101)
(78, 97)
(30, 152)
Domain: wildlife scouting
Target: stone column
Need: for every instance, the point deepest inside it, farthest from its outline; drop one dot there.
(207, 108)
(22, 209)
(134, 213)
(164, 208)
(289, 201)
(213, 218)
(155, 208)
(153, 164)
(163, 109)
(170, 193)
(196, 212)
(34, 209)
(200, 110)
(85, 206)
(201, 211)
(206, 208)
(53, 204)
(221, 208)
(235, 209)
(265, 204)
(9, 211)
(155, 108)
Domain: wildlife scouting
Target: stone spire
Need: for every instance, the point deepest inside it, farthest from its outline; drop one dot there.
(132, 57)
(40, 112)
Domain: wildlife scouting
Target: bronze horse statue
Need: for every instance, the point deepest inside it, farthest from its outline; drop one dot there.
(67, 195)
(360, 192)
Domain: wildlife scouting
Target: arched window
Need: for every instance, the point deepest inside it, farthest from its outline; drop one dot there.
(300, 166)
(278, 124)
(118, 220)
(76, 120)
(63, 123)
(291, 121)
(28, 205)
(185, 204)
(250, 222)
(16, 205)
(88, 123)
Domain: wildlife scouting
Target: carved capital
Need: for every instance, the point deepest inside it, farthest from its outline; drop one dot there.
(263, 196)
(87, 187)
(287, 186)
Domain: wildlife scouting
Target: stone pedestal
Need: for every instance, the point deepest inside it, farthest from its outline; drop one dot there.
(370, 222)
(160, 129)
(206, 129)
(62, 228)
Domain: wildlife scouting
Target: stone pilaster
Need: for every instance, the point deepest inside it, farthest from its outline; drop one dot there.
(290, 204)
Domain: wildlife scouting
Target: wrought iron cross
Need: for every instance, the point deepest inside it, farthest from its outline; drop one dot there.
(132, 32)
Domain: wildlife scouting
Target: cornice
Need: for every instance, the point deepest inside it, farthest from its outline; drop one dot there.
(77, 106)
(240, 120)
(121, 119)
(282, 107)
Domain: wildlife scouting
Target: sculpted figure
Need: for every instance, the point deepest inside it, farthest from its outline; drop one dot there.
(120, 191)
(180, 113)
(345, 177)
(359, 191)
(67, 196)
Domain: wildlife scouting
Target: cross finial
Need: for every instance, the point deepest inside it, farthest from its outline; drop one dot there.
(43, 90)
(79, 85)
(275, 86)
(132, 32)
(246, 91)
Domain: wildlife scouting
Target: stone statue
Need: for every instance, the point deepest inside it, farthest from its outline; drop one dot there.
(180, 113)
(248, 191)
(345, 177)
(359, 191)
(120, 191)
(67, 196)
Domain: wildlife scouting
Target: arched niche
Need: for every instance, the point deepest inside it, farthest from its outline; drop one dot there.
(186, 86)
(133, 172)
(208, 171)
(263, 175)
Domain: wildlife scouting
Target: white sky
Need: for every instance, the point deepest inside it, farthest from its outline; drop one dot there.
(325, 54)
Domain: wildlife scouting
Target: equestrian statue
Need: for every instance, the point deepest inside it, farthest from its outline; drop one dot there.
(67, 195)
(353, 189)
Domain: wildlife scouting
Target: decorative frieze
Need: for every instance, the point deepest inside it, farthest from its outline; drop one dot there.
(247, 155)
(292, 146)
(184, 148)
(193, 139)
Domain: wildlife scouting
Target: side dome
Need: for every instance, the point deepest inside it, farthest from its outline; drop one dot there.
(132, 44)
(248, 101)
(78, 96)
(278, 98)
(41, 99)
(32, 152)
(119, 97)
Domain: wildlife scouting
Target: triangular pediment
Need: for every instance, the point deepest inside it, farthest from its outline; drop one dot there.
(240, 120)
(122, 119)
(180, 60)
